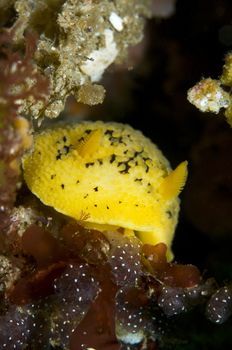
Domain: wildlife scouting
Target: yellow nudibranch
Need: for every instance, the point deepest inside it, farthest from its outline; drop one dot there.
(109, 174)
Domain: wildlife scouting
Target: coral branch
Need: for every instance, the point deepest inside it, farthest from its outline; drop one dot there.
(211, 95)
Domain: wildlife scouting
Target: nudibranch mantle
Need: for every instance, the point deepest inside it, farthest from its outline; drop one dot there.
(109, 174)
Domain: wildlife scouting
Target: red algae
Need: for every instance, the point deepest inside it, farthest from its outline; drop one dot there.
(90, 245)
(155, 253)
(177, 275)
(35, 285)
(39, 243)
(15, 71)
(170, 274)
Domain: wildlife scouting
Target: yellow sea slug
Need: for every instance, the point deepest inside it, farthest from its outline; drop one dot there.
(109, 174)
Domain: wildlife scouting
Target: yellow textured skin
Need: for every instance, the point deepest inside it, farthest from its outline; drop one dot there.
(108, 175)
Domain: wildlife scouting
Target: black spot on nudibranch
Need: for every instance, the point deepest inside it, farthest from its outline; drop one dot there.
(100, 161)
(112, 158)
(147, 166)
(126, 169)
(169, 214)
(138, 180)
(77, 182)
(53, 176)
(64, 138)
(62, 152)
(87, 165)
(114, 139)
(120, 140)
(96, 189)
(88, 131)
(107, 207)
(95, 205)
(85, 196)
(109, 132)
(62, 186)
(66, 149)
(137, 153)
(58, 156)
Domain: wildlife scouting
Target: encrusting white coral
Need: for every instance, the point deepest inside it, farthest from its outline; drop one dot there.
(211, 95)
(77, 41)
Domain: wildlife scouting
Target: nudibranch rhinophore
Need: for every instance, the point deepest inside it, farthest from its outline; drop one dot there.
(108, 176)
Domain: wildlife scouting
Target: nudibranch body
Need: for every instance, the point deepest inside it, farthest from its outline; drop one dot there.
(109, 176)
